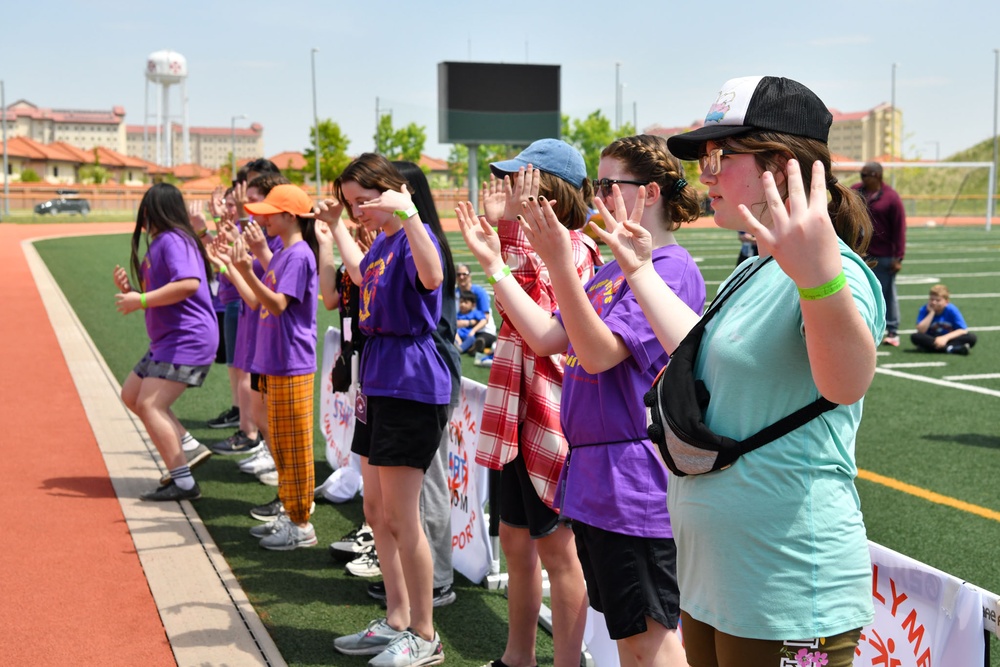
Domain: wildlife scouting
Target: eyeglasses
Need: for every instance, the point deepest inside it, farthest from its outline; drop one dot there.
(712, 160)
(602, 186)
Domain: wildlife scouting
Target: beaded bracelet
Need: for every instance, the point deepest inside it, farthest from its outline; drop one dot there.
(824, 290)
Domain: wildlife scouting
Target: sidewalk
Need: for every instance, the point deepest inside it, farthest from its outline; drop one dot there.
(90, 574)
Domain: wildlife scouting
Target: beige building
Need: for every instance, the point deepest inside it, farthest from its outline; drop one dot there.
(210, 146)
(867, 135)
(83, 129)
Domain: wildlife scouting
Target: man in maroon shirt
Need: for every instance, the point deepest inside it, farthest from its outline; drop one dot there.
(888, 244)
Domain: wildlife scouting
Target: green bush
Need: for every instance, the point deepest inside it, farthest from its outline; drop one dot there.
(29, 175)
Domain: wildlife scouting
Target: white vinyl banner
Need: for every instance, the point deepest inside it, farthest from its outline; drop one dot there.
(923, 617)
(467, 483)
(467, 480)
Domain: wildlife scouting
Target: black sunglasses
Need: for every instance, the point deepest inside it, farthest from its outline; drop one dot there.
(602, 186)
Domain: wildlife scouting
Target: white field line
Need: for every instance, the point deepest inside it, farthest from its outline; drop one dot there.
(906, 332)
(916, 364)
(954, 297)
(984, 376)
(939, 383)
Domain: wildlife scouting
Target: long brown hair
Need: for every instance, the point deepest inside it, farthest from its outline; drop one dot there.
(772, 150)
(372, 172)
(161, 210)
(647, 158)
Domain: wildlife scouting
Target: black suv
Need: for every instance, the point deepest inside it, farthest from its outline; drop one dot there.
(67, 201)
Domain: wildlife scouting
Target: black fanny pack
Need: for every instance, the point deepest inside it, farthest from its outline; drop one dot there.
(677, 404)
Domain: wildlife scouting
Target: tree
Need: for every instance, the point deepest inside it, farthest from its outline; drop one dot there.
(333, 156)
(29, 175)
(406, 143)
(94, 173)
(458, 160)
(591, 135)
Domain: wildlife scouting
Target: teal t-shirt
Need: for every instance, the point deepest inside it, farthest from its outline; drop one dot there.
(774, 547)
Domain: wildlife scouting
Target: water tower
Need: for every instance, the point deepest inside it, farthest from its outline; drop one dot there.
(164, 69)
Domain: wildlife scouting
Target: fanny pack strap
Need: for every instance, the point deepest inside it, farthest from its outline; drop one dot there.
(786, 425)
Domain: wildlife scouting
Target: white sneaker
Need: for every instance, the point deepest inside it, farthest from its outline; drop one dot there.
(365, 565)
(410, 650)
(258, 463)
(353, 544)
(269, 477)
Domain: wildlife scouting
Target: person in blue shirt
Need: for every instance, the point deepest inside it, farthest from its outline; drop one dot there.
(941, 327)
(470, 321)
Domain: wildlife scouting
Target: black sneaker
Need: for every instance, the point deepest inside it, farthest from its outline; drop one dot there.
(238, 443)
(350, 546)
(226, 419)
(962, 349)
(443, 596)
(171, 491)
(269, 511)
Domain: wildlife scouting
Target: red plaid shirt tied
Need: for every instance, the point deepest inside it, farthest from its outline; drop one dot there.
(525, 389)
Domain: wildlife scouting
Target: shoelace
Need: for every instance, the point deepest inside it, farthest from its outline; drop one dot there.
(405, 642)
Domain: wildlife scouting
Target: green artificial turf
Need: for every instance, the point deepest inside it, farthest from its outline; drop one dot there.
(940, 438)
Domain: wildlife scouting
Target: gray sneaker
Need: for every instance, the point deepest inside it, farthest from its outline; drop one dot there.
(410, 650)
(264, 529)
(288, 536)
(371, 641)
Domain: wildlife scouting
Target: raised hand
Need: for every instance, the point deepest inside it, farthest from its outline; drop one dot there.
(120, 276)
(196, 216)
(493, 195)
(324, 235)
(329, 211)
(217, 204)
(239, 256)
(479, 236)
(254, 237)
(630, 242)
(390, 201)
(544, 232)
(519, 188)
(801, 237)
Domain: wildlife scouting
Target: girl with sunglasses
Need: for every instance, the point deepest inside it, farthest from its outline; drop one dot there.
(613, 486)
(773, 560)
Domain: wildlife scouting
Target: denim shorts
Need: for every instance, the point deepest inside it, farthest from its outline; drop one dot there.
(192, 376)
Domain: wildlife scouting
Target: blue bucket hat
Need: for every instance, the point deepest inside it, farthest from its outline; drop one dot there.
(552, 156)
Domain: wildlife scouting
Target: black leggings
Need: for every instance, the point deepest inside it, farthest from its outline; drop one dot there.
(926, 342)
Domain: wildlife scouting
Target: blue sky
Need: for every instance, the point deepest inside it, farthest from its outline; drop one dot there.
(253, 58)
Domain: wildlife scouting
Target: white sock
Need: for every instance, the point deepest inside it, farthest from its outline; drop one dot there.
(188, 442)
(182, 477)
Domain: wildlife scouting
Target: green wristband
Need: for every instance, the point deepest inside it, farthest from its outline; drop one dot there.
(498, 276)
(142, 300)
(824, 290)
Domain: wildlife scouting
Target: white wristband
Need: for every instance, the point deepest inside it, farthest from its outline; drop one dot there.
(499, 275)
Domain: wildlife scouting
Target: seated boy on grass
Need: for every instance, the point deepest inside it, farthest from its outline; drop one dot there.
(941, 327)
(470, 320)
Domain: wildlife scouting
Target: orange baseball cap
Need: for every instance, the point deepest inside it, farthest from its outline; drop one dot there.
(285, 198)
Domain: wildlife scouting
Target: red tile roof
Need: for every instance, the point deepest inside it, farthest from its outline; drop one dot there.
(433, 163)
(190, 171)
(25, 109)
(289, 160)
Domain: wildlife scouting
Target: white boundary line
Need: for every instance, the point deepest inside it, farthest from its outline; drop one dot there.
(984, 376)
(940, 383)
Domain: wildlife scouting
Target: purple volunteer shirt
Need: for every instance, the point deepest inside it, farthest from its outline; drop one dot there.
(286, 343)
(246, 328)
(613, 478)
(400, 359)
(186, 332)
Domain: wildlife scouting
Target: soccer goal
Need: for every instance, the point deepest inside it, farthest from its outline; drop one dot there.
(955, 188)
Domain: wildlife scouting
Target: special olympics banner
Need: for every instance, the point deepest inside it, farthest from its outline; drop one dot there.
(923, 617)
(336, 415)
(467, 482)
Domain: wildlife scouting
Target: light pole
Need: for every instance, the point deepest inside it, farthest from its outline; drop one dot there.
(6, 176)
(232, 145)
(892, 124)
(996, 86)
(618, 97)
(315, 123)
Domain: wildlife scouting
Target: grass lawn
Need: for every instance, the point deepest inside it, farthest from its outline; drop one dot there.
(931, 426)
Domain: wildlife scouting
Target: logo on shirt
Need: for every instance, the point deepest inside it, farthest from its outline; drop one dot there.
(602, 292)
(369, 285)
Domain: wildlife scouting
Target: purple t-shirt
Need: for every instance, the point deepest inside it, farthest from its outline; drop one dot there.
(186, 332)
(613, 478)
(246, 328)
(286, 343)
(400, 359)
